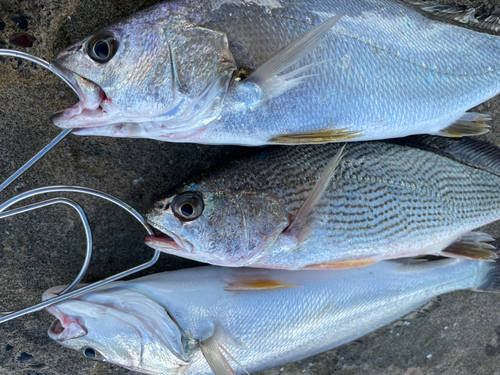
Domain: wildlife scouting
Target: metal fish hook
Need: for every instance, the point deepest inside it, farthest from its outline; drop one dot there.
(67, 293)
(64, 133)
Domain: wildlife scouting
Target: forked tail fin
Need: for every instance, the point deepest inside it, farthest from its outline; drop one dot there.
(492, 279)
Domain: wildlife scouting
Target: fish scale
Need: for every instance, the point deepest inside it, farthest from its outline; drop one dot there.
(259, 328)
(371, 77)
(383, 71)
(384, 201)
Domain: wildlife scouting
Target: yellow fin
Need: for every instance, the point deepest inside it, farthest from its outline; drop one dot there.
(471, 123)
(318, 136)
(479, 251)
(341, 265)
(256, 284)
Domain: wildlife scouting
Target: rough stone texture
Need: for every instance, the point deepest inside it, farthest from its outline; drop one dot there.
(458, 334)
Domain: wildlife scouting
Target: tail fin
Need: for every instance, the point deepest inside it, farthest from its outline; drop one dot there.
(492, 280)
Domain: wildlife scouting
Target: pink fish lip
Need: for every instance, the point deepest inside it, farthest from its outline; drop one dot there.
(168, 243)
(89, 111)
(64, 327)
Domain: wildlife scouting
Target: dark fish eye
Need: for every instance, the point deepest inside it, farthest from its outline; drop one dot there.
(102, 47)
(92, 354)
(188, 206)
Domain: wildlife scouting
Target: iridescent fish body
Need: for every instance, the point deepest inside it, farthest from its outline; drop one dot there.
(185, 321)
(280, 72)
(383, 201)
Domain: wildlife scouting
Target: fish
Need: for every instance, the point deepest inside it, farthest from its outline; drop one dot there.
(290, 72)
(326, 207)
(208, 319)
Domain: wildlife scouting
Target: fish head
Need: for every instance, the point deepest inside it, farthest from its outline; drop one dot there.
(217, 225)
(119, 326)
(155, 70)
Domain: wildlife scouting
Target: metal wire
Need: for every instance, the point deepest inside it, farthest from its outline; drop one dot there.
(73, 189)
(36, 60)
(83, 217)
(64, 133)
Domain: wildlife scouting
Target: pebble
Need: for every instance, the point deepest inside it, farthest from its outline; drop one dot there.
(429, 356)
(24, 357)
(20, 21)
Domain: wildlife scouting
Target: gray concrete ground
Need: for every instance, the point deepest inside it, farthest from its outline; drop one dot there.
(458, 334)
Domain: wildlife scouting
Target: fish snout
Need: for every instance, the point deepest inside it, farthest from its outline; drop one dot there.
(64, 327)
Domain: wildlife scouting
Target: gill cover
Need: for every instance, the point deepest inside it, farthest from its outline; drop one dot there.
(257, 220)
(122, 326)
(154, 67)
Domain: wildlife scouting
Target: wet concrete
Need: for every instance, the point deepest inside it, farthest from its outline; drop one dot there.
(458, 334)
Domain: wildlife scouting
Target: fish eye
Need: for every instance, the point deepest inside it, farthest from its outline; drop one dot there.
(102, 47)
(188, 206)
(92, 354)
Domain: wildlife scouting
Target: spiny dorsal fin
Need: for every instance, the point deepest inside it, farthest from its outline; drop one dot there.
(484, 18)
(472, 246)
(299, 223)
(316, 137)
(266, 76)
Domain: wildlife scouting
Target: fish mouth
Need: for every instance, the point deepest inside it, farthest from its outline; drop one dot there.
(168, 243)
(64, 327)
(90, 111)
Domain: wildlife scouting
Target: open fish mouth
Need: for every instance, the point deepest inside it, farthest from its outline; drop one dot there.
(63, 327)
(169, 243)
(90, 111)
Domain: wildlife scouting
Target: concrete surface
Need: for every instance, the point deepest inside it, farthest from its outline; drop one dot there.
(458, 334)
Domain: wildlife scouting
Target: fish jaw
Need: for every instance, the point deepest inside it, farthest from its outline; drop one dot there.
(93, 104)
(169, 243)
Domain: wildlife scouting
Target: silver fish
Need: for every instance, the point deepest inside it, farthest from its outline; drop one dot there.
(303, 207)
(208, 319)
(279, 72)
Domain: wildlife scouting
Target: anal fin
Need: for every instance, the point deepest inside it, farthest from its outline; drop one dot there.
(341, 265)
(317, 137)
(472, 246)
(469, 124)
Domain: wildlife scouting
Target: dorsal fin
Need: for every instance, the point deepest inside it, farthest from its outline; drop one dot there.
(469, 151)
(480, 154)
(483, 18)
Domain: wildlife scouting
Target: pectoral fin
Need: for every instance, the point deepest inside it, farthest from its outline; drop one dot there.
(211, 349)
(216, 360)
(472, 246)
(266, 76)
(299, 224)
